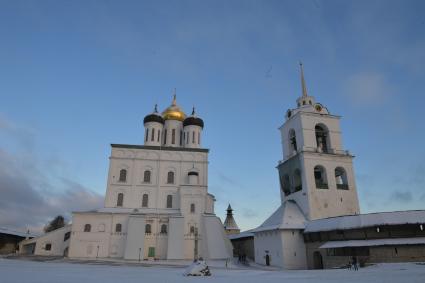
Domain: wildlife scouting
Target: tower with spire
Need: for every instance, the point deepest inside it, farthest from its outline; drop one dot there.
(316, 181)
(230, 225)
(316, 172)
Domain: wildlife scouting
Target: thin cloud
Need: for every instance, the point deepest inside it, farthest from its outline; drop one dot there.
(367, 88)
(404, 197)
(249, 213)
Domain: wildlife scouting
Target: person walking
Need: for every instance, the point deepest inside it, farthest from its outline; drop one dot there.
(356, 268)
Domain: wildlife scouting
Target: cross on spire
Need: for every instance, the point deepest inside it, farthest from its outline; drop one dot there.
(174, 97)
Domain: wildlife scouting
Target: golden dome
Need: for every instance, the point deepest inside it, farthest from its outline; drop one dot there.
(174, 112)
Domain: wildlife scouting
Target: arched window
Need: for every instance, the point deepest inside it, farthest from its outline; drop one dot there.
(192, 208)
(169, 201)
(181, 137)
(341, 178)
(292, 141)
(146, 134)
(120, 199)
(285, 184)
(199, 137)
(147, 176)
(320, 177)
(298, 186)
(173, 136)
(148, 229)
(118, 227)
(187, 137)
(170, 177)
(123, 175)
(193, 137)
(159, 135)
(153, 134)
(322, 138)
(165, 136)
(192, 230)
(87, 228)
(145, 200)
(163, 229)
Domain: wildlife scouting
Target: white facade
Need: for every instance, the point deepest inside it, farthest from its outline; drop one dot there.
(317, 181)
(55, 243)
(157, 204)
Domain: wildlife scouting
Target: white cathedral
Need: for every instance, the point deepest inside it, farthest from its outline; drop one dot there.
(157, 204)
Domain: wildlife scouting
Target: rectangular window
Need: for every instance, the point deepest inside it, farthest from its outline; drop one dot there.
(181, 136)
(173, 136)
(48, 247)
(187, 137)
(159, 134)
(199, 138)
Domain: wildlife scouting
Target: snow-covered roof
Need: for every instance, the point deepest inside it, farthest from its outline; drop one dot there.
(287, 216)
(366, 220)
(16, 233)
(241, 235)
(375, 242)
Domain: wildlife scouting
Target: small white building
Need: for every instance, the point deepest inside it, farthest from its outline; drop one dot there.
(54, 243)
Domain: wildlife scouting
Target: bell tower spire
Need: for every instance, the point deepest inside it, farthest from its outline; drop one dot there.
(303, 87)
(304, 99)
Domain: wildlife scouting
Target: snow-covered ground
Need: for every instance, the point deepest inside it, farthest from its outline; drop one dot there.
(23, 271)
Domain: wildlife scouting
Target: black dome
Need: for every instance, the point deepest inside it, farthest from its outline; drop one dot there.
(153, 118)
(195, 121)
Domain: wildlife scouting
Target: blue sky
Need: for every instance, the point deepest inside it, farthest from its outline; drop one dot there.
(76, 76)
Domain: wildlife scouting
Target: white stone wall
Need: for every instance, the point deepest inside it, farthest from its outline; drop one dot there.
(159, 163)
(332, 201)
(269, 242)
(286, 248)
(294, 249)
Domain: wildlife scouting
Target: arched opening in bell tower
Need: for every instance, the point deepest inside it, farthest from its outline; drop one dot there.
(298, 186)
(292, 141)
(341, 178)
(322, 135)
(320, 177)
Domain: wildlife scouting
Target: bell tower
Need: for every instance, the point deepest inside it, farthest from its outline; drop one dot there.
(316, 171)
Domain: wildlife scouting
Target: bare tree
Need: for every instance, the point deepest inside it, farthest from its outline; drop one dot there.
(56, 223)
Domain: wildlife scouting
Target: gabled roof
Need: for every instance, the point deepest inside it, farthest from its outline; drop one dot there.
(287, 216)
(366, 220)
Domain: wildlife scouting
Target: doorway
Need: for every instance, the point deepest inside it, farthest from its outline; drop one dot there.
(317, 260)
(151, 252)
